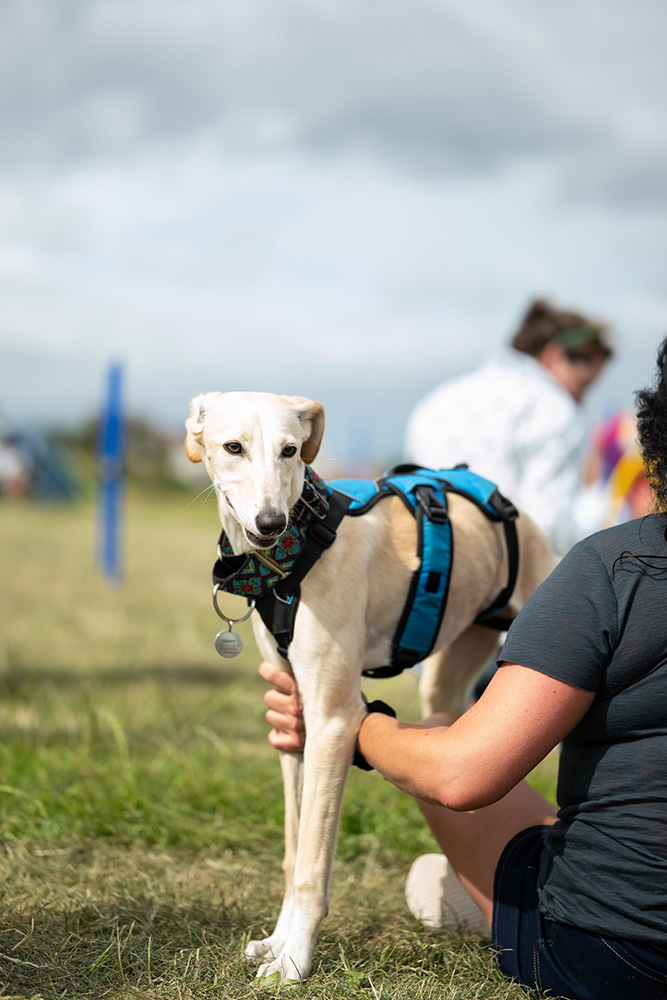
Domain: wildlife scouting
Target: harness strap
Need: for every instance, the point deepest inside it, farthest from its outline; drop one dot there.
(279, 606)
(429, 587)
(490, 618)
(503, 510)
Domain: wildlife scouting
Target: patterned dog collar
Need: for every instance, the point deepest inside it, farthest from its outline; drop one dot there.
(254, 574)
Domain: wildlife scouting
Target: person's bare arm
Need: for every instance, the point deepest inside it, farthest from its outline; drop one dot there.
(522, 715)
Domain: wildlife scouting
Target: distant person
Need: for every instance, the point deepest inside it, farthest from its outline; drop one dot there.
(616, 470)
(517, 419)
(14, 475)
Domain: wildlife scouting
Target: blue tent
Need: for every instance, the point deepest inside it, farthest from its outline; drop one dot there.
(47, 472)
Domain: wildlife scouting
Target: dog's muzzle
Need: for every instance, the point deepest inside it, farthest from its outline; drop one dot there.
(270, 525)
(259, 541)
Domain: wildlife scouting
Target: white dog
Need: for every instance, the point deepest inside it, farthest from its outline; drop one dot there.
(255, 447)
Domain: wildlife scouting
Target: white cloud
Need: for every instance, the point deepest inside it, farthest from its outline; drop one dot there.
(332, 198)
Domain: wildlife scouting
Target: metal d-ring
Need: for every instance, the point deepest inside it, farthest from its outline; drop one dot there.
(230, 621)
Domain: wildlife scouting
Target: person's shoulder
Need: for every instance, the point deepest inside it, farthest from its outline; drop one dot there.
(532, 372)
(499, 369)
(647, 535)
(509, 379)
(542, 406)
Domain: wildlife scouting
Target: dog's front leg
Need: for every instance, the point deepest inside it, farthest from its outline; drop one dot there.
(292, 770)
(291, 765)
(333, 711)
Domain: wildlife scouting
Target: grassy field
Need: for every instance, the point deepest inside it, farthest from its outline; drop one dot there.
(141, 806)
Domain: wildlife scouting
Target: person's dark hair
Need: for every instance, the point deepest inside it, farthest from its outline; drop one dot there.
(652, 430)
(652, 436)
(582, 338)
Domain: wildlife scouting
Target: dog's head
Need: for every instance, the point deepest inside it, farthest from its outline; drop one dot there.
(255, 446)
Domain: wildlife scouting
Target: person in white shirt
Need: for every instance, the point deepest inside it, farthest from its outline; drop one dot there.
(517, 420)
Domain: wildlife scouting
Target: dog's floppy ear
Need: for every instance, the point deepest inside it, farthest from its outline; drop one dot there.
(194, 425)
(311, 415)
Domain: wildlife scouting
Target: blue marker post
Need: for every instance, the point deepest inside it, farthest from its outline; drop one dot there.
(111, 460)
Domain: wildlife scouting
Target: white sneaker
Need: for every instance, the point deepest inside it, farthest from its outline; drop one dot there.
(436, 897)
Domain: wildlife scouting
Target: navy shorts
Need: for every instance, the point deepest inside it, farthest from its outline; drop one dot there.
(553, 957)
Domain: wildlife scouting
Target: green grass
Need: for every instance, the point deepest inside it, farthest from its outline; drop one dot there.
(141, 806)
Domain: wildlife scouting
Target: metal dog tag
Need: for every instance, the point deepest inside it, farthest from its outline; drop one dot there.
(228, 643)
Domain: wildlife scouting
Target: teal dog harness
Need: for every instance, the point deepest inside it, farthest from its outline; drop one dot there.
(271, 577)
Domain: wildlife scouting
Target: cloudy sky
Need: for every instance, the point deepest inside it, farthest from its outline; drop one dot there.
(346, 199)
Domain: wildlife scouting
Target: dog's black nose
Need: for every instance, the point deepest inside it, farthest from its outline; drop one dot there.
(270, 522)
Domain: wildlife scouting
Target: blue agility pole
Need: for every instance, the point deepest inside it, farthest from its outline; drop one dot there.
(111, 490)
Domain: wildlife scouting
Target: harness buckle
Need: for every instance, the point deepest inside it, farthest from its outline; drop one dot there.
(504, 507)
(434, 508)
(270, 563)
(283, 600)
(314, 510)
(320, 514)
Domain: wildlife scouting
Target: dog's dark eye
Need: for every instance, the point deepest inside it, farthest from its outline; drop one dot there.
(289, 451)
(233, 447)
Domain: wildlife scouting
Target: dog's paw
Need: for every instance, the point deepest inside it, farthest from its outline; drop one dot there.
(283, 971)
(275, 983)
(259, 951)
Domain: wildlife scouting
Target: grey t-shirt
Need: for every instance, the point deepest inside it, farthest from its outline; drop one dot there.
(599, 622)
